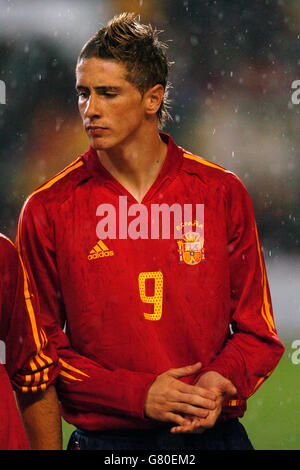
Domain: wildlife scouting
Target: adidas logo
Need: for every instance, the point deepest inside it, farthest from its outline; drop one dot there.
(100, 251)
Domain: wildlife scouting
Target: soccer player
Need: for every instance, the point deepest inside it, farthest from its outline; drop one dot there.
(30, 363)
(163, 325)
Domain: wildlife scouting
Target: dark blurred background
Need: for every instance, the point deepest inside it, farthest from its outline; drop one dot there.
(234, 64)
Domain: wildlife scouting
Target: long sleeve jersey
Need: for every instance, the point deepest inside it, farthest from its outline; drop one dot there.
(28, 359)
(128, 291)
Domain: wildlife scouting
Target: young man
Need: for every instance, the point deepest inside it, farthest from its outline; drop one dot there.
(31, 363)
(163, 324)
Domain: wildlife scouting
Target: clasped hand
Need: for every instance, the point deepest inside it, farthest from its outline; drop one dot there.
(193, 408)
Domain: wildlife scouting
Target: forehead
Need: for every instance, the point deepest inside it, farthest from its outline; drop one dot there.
(100, 70)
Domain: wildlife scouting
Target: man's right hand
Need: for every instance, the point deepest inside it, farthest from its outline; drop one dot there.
(169, 399)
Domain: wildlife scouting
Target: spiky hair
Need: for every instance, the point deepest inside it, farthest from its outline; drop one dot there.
(138, 48)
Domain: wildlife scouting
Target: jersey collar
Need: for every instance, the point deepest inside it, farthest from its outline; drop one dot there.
(168, 171)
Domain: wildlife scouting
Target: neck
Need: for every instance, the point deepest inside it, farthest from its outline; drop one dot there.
(136, 165)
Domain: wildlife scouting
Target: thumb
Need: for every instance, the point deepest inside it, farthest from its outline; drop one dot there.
(184, 371)
(228, 388)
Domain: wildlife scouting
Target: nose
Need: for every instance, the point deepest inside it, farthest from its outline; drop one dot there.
(92, 107)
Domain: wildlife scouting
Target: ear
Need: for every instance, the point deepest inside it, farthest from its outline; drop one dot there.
(153, 99)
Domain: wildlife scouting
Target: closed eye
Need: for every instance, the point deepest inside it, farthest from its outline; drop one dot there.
(108, 91)
(108, 94)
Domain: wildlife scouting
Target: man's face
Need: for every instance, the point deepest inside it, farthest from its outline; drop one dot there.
(111, 108)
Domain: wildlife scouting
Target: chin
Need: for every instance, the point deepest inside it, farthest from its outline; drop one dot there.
(105, 143)
(100, 144)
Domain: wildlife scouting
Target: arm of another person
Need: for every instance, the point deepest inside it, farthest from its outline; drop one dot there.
(31, 361)
(41, 417)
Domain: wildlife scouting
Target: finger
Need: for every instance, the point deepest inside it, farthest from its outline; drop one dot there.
(184, 371)
(192, 427)
(199, 391)
(196, 400)
(186, 430)
(177, 418)
(230, 389)
(187, 409)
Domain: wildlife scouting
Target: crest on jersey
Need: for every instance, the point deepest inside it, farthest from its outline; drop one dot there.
(190, 248)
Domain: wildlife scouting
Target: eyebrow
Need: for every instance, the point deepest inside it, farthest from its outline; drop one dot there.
(99, 89)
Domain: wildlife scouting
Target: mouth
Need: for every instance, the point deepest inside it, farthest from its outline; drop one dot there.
(95, 130)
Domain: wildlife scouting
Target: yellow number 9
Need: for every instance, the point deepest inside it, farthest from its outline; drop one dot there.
(157, 298)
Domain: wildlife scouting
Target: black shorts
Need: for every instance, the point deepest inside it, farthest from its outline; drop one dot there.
(228, 435)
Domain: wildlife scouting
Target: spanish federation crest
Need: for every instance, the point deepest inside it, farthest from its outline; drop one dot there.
(190, 248)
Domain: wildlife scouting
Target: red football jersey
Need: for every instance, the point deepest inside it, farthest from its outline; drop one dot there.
(154, 294)
(24, 349)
